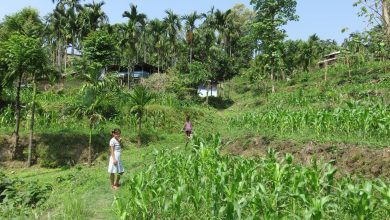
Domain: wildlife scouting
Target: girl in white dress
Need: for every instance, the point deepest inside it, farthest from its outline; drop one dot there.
(115, 164)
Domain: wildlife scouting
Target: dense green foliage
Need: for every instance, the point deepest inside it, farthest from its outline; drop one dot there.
(17, 197)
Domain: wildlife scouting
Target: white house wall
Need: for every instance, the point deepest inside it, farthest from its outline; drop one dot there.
(202, 91)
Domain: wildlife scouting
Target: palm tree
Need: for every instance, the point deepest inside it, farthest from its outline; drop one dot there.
(93, 93)
(310, 51)
(206, 36)
(73, 23)
(56, 35)
(140, 97)
(220, 23)
(134, 27)
(133, 15)
(90, 111)
(95, 15)
(142, 41)
(88, 108)
(291, 55)
(173, 26)
(190, 27)
(156, 30)
(236, 27)
(91, 17)
(72, 9)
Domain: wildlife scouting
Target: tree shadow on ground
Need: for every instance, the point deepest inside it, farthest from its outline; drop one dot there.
(147, 136)
(61, 149)
(220, 103)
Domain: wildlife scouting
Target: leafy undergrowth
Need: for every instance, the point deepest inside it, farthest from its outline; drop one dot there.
(18, 198)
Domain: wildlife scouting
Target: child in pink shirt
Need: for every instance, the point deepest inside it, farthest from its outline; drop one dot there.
(188, 127)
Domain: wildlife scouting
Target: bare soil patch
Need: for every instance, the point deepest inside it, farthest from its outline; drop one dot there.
(4, 149)
(348, 158)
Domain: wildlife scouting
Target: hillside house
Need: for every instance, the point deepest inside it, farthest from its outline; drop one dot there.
(139, 71)
(329, 59)
(208, 89)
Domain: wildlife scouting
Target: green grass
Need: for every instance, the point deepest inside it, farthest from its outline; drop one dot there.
(83, 192)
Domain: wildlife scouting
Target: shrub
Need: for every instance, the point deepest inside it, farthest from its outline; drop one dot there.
(157, 82)
(18, 197)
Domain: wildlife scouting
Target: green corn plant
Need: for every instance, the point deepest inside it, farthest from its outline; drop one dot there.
(359, 200)
(317, 208)
(121, 208)
(384, 191)
(208, 185)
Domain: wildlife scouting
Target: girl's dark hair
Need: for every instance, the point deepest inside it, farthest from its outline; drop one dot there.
(116, 131)
(188, 118)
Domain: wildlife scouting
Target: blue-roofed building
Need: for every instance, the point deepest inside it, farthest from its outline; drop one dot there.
(139, 71)
(140, 74)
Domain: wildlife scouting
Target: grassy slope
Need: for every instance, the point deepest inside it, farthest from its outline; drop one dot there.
(77, 189)
(368, 84)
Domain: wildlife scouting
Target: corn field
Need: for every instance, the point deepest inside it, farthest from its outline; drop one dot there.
(355, 119)
(207, 185)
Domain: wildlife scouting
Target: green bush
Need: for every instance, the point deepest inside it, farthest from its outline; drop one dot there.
(18, 197)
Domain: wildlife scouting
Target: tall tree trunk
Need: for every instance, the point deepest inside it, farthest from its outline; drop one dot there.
(90, 143)
(190, 52)
(273, 79)
(1, 91)
(128, 77)
(326, 72)
(144, 54)
(158, 62)
(30, 141)
(54, 53)
(207, 93)
(386, 19)
(230, 49)
(73, 43)
(349, 67)
(136, 52)
(15, 150)
(174, 58)
(59, 49)
(65, 60)
(139, 130)
(64, 52)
